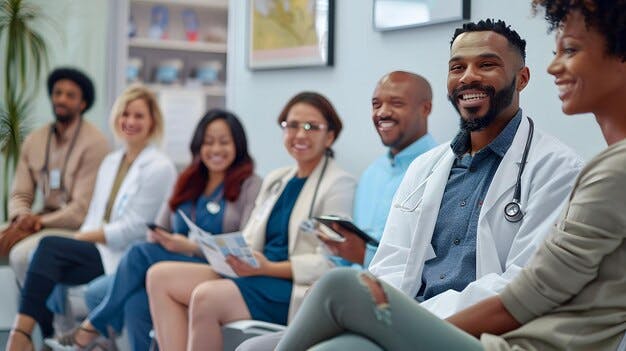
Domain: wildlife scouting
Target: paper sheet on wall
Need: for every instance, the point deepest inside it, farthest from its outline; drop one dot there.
(182, 109)
(217, 247)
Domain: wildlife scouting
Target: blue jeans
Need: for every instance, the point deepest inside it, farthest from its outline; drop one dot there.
(126, 300)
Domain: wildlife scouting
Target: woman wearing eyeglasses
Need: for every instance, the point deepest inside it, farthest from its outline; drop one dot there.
(189, 302)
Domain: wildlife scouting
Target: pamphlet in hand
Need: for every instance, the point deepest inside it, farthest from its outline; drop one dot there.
(217, 247)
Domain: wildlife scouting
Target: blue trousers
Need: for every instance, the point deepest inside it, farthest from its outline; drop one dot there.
(56, 260)
(126, 301)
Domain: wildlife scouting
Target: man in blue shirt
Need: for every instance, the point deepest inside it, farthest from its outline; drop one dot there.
(401, 104)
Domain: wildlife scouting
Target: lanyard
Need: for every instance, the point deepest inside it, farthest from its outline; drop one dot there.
(67, 155)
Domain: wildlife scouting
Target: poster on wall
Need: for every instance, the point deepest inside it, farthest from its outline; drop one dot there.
(182, 109)
(399, 14)
(290, 33)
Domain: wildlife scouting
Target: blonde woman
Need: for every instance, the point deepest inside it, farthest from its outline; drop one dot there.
(131, 185)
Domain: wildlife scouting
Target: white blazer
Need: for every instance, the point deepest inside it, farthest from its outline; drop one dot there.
(502, 247)
(138, 200)
(334, 196)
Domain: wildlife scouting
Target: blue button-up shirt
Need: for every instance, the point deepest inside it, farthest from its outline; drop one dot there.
(375, 191)
(454, 236)
(378, 185)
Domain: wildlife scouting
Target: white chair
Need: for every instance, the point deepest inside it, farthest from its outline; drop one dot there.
(8, 295)
(237, 332)
(622, 345)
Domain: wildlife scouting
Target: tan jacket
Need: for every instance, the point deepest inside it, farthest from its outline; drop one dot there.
(572, 296)
(80, 175)
(334, 196)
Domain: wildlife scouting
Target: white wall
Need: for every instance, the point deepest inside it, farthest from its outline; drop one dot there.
(362, 56)
(79, 39)
(76, 34)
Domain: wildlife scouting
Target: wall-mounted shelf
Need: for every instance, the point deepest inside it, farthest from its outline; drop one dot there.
(168, 44)
(213, 4)
(210, 90)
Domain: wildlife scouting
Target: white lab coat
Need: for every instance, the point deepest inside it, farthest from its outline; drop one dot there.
(138, 200)
(502, 247)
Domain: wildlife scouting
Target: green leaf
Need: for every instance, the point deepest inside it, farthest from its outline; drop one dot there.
(26, 58)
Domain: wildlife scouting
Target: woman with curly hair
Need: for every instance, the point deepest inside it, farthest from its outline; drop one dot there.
(572, 295)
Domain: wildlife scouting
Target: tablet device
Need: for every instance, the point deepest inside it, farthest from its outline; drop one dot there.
(348, 225)
(154, 226)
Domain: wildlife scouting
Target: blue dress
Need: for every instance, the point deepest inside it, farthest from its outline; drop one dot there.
(198, 213)
(121, 300)
(267, 298)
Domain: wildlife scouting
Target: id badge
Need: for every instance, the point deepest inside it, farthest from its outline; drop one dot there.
(55, 179)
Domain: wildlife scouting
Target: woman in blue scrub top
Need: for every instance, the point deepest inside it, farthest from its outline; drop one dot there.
(189, 302)
(216, 192)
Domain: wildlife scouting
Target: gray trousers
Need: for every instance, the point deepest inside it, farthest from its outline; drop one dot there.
(341, 313)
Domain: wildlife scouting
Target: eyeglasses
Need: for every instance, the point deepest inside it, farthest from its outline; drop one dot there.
(293, 126)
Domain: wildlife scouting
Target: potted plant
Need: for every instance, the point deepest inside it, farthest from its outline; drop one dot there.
(25, 58)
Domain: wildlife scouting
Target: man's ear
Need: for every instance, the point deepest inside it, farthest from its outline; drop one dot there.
(427, 107)
(83, 105)
(523, 77)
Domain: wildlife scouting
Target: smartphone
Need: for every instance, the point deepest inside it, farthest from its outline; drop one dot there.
(348, 225)
(154, 226)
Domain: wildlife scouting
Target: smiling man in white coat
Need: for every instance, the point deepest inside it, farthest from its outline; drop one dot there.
(448, 241)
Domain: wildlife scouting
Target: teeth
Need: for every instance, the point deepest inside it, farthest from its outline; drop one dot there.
(475, 96)
(386, 124)
(300, 146)
(563, 87)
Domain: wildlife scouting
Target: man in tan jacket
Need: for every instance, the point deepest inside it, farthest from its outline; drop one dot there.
(60, 161)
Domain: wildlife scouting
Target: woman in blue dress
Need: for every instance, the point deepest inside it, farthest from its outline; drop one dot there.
(189, 302)
(216, 191)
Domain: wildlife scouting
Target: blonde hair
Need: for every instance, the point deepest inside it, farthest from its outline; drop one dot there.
(132, 93)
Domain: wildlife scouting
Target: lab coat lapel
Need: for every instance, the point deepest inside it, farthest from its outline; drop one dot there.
(303, 203)
(130, 183)
(499, 194)
(426, 219)
(264, 209)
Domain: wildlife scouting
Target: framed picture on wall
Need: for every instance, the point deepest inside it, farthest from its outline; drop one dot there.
(399, 14)
(290, 33)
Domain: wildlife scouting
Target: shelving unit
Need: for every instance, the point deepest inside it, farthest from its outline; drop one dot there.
(209, 46)
(185, 99)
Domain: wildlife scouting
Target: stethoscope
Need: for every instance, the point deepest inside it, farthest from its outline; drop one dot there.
(513, 210)
(213, 206)
(45, 170)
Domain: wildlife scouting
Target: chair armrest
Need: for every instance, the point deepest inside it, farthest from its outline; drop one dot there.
(254, 327)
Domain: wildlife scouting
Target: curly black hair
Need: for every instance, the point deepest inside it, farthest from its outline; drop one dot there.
(497, 26)
(607, 16)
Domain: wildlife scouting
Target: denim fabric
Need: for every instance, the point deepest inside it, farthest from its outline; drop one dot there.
(454, 236)
(126, 302)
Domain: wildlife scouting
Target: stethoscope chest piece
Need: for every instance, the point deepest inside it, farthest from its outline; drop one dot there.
(513, 212)
(213, 207)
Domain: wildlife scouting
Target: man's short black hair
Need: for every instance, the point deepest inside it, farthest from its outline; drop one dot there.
(500, 27)
(76, 76)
